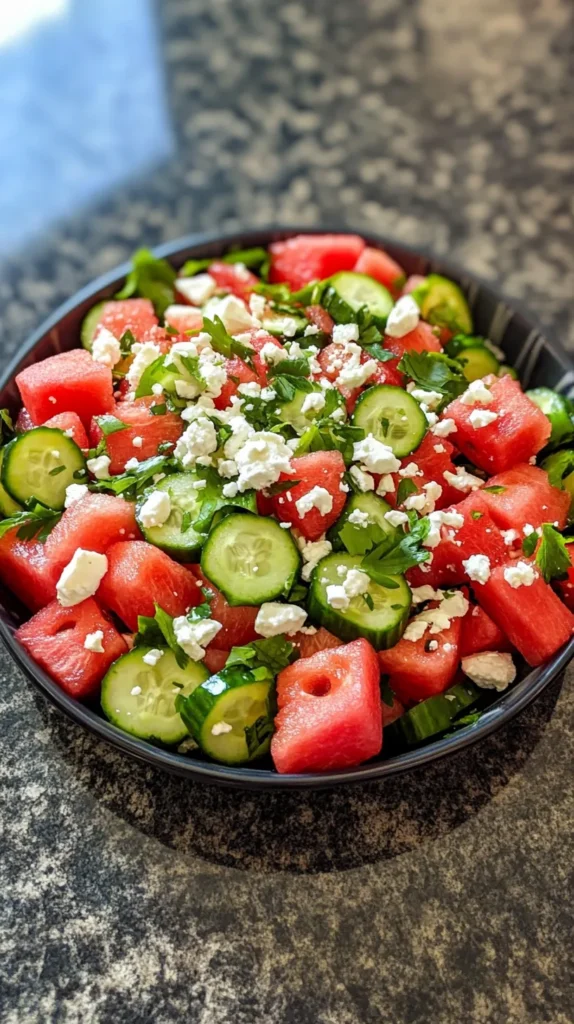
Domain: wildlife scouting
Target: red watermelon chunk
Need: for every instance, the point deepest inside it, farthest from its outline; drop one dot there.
(310, 643)
(320, 469)
(234, 278)
(23, 421)
(94, 523)
(329, 710)
(378, 264)
(184, 318)
(416, 672)
(238, 622)
(68, 382)
(215, 660)
(71, 424)
(526, 497)
(140, 576)
(480, 633)
(238, 372)
(422, 339)
(519, 432)
(478, 536)
(532, 617)
(135, 315)
(307, 258)
(433, 458)
(55, 638)
(320, 318)
(26, 570)
(141, 425)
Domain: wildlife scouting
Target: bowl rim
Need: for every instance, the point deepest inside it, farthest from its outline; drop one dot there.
(509, 704)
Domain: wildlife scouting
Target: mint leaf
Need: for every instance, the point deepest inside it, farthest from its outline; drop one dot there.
(223, 342)
(360, 539)
(152, 278)
(37, 522)
(131, 483)
(109, 424)
(255, 258)
(381, 563)
(157, 632)
(529, 544)
(497, 489)
(290, 367)
(552, 558)
(558, 466)
(6, 427)
(273, 653)
(405, 489)
(434, 372)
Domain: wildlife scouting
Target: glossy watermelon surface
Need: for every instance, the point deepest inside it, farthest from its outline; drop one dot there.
(320, 469)
(417, 672)
(142, 427)
(94, 523)
(140, 576)
(26, 570)
(306, 258)
(69, 382)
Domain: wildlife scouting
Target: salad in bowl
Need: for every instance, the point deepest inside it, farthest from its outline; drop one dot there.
(286, 502)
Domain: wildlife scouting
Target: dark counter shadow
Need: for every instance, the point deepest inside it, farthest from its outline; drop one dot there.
(306, 831)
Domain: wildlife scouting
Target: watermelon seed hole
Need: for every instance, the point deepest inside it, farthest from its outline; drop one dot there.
(319, 687)
(65, 627)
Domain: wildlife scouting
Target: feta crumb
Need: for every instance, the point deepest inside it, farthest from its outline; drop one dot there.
(289, 327)
(396, 518)
(313, 402)
(221, 728)
(527, 529)
(509, 536)
(344, 333)
(257, 305)
(81, 577)
(155, 510)
(132, 464)
(310, 330)
(415, 501)
(477, 568)
(145, 353)
(261, 459)
(430, 399)
(198, 289)
(386, 484)
(138, 442)
(403, 318)
(193, 637)
(358, 517)
(152, 657)
(410, 470)
(461, 480)
(444, 427)
(425, 593)
(520, 575)
(312, 552)
(439, 448)
(52, 399)
(274, 618)
(250, 390)
(476, 393)
(93, 642)
(415, 630)
(230, 490)
(482, 417)
(363, 480)
(100, 467)
(75, 492)
(433, 645)
(106, 348)
(272, 354)
(233, 314)
(492, 670)
(317, 497)
(375, 456)
(356, 582)
(197, 441)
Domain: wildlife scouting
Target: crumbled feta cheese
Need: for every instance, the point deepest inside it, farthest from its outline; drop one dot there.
(476, 393)
(461, 480)
(509, 536)
(138, 442)
(343, 333)
(233, 314)
(186, 389)
(197, 441)
(354, 373)
(520, 575)
(482, 417)
(52, 399)
(227, 468)
(106, 348)
(274, 618)
(410, 470)
(356, 582)
(386, 485)
(363, 480)
(416, 502)
(310, 330)
(396, 518)
(375, 456)
(527, 529)
(444, 427)
(193, 637)
(257, 305)
(272, 354)
(452, 606)
(359, 518)
(430, 399)
(491, 670)
(439, 448)
(477, 568)
(153, 656)
(289, 327)
(100, 467)
(145, 353)
(221, 728)
(198, 289)
(230, 490)
(317, 497)
(75, 492)
(312, 552)
(250, 390)
(425, 593)
(268, 394)
(261, 459)
(132, 464)
(415, 630)
(433, 645)
(403, 318)
(313, 402)
(155, 510)
(93, 642)
(81, 577)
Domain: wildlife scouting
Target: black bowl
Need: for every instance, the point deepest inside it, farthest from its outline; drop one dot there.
(538, 360)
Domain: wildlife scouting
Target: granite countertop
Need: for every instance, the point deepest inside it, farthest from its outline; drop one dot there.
(130, 896)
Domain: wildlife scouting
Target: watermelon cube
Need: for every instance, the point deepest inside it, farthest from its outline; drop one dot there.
(141, 426)
(238, 622)
(26, 569)
(319, 469)
(140, 576)
(480, 633)
(68, 382)
(524, 495)
(422, 339)
(71, 424)
(94, 523)
(378, 264)
(520, 430)
(135, 315)
(305, 258)
(416, 672)
(23, 421)
(532, 617)
(234, 278)
(55, 637)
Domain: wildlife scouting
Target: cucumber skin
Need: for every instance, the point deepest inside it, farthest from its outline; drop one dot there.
(90, 322)
(21, 440)
(221, 584)
(358, 501)
(184, 553)
(348, 631)
(364, 399)
(408, 727)
(197, 707)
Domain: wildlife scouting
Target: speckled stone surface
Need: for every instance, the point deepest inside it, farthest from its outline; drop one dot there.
(447, 895)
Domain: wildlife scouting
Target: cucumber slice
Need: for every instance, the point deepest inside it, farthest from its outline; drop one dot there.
(40, 464)
(250, 559)
(7, 504)
(434, 715)
(182, 544)
(375, 508)
(557, 410)
(392, 416)
(355, 291)
(140, 698)
(477, 361)
(231, 715)
(275, 323)
(383, 625)
(442, 302)
(292, 412)
(89, 324)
